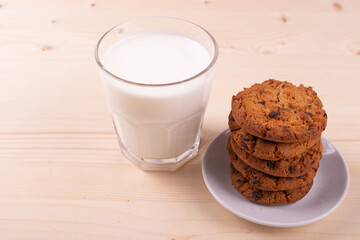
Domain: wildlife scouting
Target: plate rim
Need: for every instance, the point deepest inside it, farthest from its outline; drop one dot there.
(274, 224)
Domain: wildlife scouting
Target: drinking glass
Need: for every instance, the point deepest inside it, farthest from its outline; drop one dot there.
(158, 124)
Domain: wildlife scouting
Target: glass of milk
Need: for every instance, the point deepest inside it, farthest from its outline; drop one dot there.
(157, 74)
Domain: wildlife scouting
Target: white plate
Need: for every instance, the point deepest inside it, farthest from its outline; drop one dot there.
(329, 189)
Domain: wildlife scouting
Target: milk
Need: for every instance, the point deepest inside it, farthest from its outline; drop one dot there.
(152, 121)
(155, 58)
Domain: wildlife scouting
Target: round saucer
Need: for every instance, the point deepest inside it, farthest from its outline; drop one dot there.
(324, 197)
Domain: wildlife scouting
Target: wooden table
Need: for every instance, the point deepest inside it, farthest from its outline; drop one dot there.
(62, 175)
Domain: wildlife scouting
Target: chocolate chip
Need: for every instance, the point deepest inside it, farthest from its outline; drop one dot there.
(291, 169)
(271, 101)
(274, 114)
(309, 106)
(262, 103)
(245, 139)
(310, 128)
(301, 177)
(233, 170)
(325, 115)
(283, 86)
(231, 119)
(271, 82)
(309, 113)
(256, 182)
(312, 162)
(256, 195)
(239, 181)
(270, 165)
(234, 130)
(244, 146)
(261, 92)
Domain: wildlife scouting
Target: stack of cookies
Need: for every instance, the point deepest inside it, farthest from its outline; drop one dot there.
(275, 143)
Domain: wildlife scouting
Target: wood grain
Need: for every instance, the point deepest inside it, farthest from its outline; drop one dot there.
(62, 175)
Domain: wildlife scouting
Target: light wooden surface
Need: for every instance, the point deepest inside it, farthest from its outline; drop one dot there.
(61, 172)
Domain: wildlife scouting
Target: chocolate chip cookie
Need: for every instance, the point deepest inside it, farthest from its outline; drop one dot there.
(287, 167)
(266, 197)
(279, 111)
(267, 182)
(265, 149)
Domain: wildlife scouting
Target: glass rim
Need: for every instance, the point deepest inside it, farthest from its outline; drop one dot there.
(206, 69)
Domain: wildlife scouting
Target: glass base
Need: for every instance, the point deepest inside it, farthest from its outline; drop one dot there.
(169, 164)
